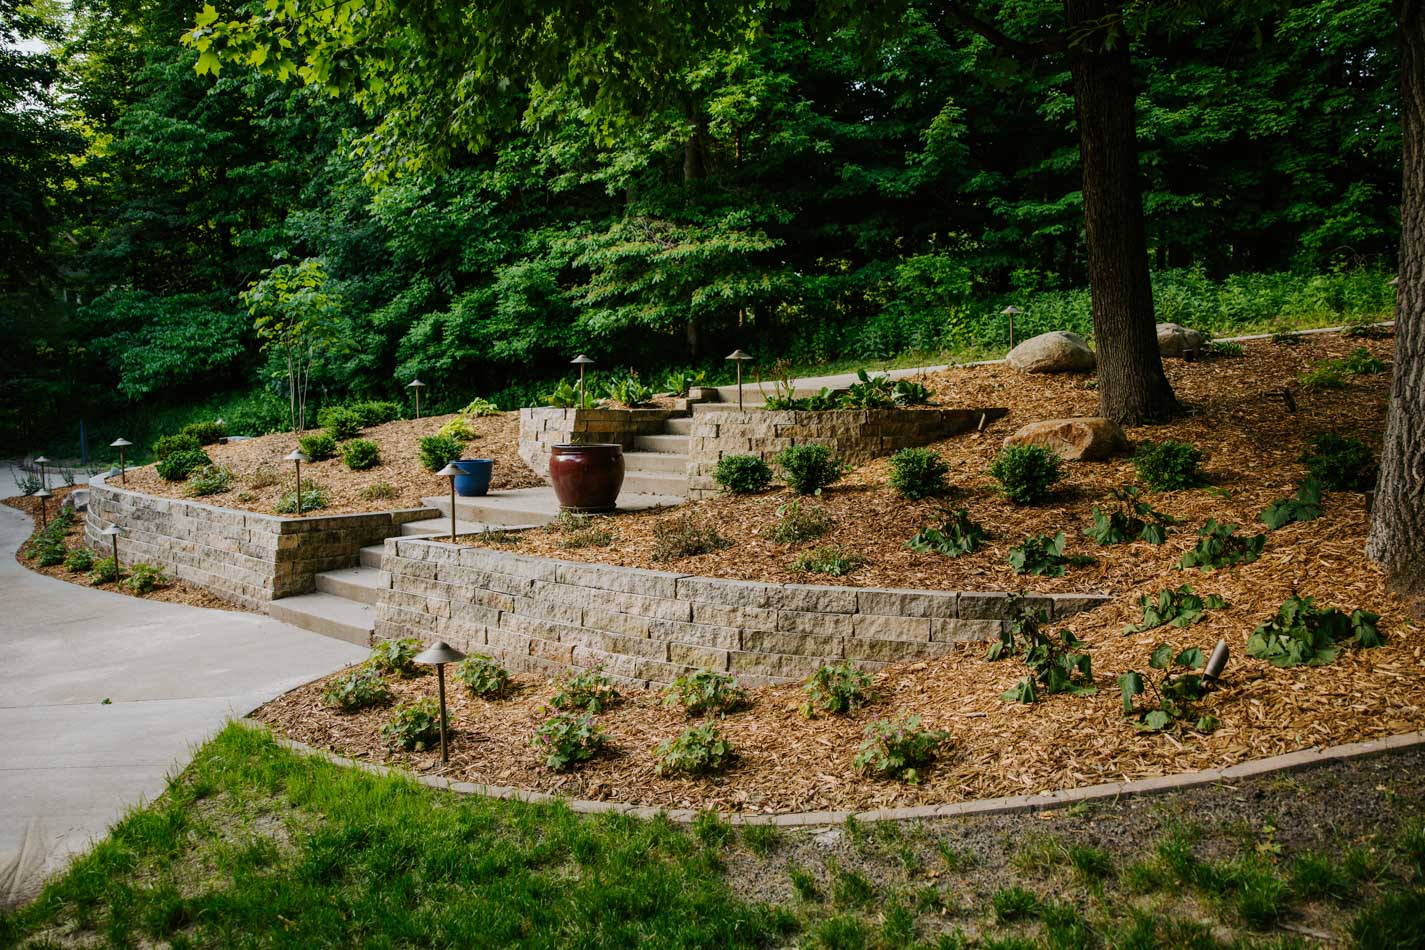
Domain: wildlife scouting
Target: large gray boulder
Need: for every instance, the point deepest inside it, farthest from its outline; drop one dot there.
(1177, 341)
(1081, 439)
(1056, 352)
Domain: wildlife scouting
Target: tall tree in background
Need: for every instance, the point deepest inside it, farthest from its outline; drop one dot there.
(1397, 539)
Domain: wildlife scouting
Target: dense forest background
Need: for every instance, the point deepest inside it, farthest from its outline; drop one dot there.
(811, 200)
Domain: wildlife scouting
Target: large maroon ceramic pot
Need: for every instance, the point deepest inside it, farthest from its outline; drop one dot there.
(587, 478)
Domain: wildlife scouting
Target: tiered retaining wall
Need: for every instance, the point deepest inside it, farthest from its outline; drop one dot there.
(241, 556)
(544, 616)
(542, 429)
(854, 435)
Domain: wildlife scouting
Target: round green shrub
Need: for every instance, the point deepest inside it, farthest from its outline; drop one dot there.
(79, 560)
(742, 474)
(1168, 465)
(1340, 463)
(567, 738)
(918, 473)
(319, 446)
(361, 454)
(208, 480)
(1026, 473)
(438, 451)
(168, 444)
(104, 571)
(374, 412)
(341, 423)
(207, 433)
(807, 469)
(176, 466)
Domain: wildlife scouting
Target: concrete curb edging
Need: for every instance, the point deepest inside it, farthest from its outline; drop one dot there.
(1288, 762)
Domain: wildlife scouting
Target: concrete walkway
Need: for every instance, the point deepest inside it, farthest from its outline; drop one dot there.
(71, 765)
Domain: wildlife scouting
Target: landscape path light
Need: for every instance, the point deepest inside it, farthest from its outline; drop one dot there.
(739, 357)
(1217, 662)
(581, 361)
(416, 386)
(121, 444)
(41, 461)
(1011, 311)
(43, 496)
(437, 656)
(297, 457)
(113, 531)
(450, 471)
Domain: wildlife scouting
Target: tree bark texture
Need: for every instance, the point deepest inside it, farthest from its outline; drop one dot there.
(1397, 539)
(1132, 387)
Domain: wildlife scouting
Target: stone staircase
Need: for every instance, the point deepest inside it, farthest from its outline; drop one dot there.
(343, 605)
(658, 464)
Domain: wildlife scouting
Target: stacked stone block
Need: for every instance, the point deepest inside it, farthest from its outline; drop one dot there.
(648, 627)
(542, 429)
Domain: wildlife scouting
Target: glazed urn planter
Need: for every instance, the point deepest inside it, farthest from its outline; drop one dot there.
(587, 478)
(475, 480)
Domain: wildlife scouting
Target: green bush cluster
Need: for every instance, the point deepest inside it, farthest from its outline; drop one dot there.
(205, 433)
(566, 739)
(1026, 473)
(480, 407)
(319, 446)
(208, 480)
(1302, 634)
(438, 451)
(704, 692)
(374, 412)
(361, 454)
(396, 656)
(314, 496)
(918, 473)
(482, 675)
(168, 444)
(697, 750)
(1168, 465)
(79, 560)
(1340, 463)
(177, 466)
(836, 689)
(590, 691)
(144, 579)
(104, 571)
(899, 749)
(807, 469)
(340, 422)
(742, 474)
(360, 687)
(412, 727)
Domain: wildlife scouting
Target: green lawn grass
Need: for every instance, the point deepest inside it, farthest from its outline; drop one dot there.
(254, 845)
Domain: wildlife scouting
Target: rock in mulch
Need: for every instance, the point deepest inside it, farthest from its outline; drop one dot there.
(1177, 341)
(1056, 352)
(1083, 439)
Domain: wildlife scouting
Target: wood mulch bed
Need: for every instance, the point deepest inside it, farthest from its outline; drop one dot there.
(261, 476)
(174, 592)
(789, 763)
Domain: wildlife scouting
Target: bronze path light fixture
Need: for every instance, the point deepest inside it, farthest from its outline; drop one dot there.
(297, 457)
(113, 531)
(1011, 312)
(739, 357)
(1217, 662)
(41, 461)
(450, 471)
(581, 361)
(437, 656)
(416, 386)
(121, 444)
(43, 495)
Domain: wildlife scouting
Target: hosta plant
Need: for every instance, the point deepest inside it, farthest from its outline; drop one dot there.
(589, 691)
(954, 535)
(706, 692)
(1055, 663)
(480, 407)
(899, 749)
(836, 689)
(629, 391)
(1133, 520)
(869, 392)
(1302, 634)
(482, 675)
(566, 739)
(1178, 608)
(1219, 545)
(910, 393)
(1156, 706)
(1044, 556)
(360, 687)
(697, 750)
(1306, 505)
(413, 727)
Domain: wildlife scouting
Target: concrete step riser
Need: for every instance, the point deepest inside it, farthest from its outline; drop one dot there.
(471, 510)
(651, 483)
(679, 426)
(326, 626)
(340, 588)
(667, 463)
(675, 444)
(371, 556)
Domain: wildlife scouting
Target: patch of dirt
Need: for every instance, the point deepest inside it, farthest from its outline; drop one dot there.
(174, 592)
(261, 476)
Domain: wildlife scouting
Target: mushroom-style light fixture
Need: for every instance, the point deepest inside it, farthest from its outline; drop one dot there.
(43, 495)
(450, 471)
(739, 357)
(121, 444)
(416, 386)
(581, 361)
(1011, 312)
(41, 461)
(113, 531)
(437, 656)
(297, 457)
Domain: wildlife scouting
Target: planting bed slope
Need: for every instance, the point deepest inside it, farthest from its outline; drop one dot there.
(788, 763)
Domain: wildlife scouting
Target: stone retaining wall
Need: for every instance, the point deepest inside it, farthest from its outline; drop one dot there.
(649, 627)
(855, 435)
(542, 429)
(241, 556)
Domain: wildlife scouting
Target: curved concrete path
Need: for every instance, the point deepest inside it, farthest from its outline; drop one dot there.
(71, 765)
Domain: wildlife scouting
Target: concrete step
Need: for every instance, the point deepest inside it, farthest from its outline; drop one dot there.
(667, 462)
(327, 614)
(676, 444)
(655, 483)
(440, 527)
(361, 584)
(371, 555)
(678, 425)
(520, 508)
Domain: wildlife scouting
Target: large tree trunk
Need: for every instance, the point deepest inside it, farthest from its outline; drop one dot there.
(1397, 538)
(1132, 387)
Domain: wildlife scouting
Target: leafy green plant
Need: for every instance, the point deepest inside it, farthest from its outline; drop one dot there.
(820, 402)
(796, 524)
(79, 560)
(168, 444)
(319, 446)
(832, 560)
(208, 480)
(629, 391)
(705, 691)
(1173, 697)
(1305, 506)
(1168, 465)
(918, 473)
(105, 571)
(1044, 556)
(590, 691)
(1178, 608)
(955, 534)
(1219, 545)
(1026, 473)
(742, 474)
(361, 454)
(697, 750)
(438, 451)
(1225, 348)
(48, 551)
(374, 412)
(835, 689)
(1340, 463)
(869, 392)
(566, 739)
(1362, 362)
(396, 656)
(807, 469)
(1054, 663)
(899, 749)
(1302, 634)
(679, 381)
(206, 433)
(413, 727)
(314, 496)
(340, 422)
(176, 466)
(480, 407)
(1133, 520)
(685, 535)
(460, 429)
(910, 393)
(145, 579)
(581, 531)
(360, 687)
(482, 675)
(379, 491)
(1326, 374)
(563, 396)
